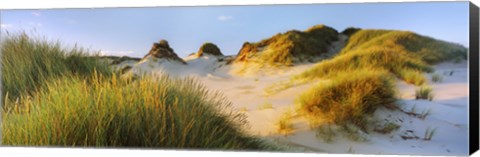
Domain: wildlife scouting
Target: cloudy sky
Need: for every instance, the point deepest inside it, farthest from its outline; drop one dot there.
(131, 31)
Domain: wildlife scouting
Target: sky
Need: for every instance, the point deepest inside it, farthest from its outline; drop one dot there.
(132, 31)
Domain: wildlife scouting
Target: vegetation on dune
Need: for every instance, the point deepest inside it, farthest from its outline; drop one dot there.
(284, 124)
(424, 92)
(289, 47)
(60, 97)
(396, 62)
(362, 75)
(29, 62)
(404, 54)
(209, 48)
(111, 112)
(425, 48)
(437, 78)
(349, 98)
(117, 60)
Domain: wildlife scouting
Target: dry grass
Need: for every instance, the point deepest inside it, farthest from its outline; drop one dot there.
(424, 92)
(349, 98)
(284, 124)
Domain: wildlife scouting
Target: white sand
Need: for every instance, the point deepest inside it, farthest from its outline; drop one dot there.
(449, 108)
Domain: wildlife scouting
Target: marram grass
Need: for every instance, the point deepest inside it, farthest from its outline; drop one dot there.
(348, 99)
(28, 62)
(111, 112)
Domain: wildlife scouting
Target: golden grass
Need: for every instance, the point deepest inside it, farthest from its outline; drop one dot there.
(349, 98)
(110, 112)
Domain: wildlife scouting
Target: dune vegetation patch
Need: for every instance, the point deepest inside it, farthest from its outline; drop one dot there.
(396, 62)
(54, 96)
(285, 49)
(348, 99)
(111, 112)
(28, 62)
(405, 54)
(426, 48)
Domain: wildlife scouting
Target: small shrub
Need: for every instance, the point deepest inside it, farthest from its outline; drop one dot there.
(424, 92)
(437, 78)
(349, 98)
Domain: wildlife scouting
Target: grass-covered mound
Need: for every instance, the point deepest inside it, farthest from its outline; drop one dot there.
(404, 54)
(289, 47)
(397, 62)
(209, 48)
(29, 62)
(426, 48)
(349, 98)
(110, 112)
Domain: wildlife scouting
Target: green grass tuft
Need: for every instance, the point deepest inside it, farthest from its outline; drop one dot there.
(111, 112)
(424, 92)
(29, 62)
(437, 78)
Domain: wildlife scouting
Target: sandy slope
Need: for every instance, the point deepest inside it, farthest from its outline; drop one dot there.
(448, 115)
(448, 110)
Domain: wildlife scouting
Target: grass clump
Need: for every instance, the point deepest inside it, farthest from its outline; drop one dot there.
(349, 98)
(437, 78)
(429, 134)
(413, 77)
(110, 112)
(424, 92)
(29, 62)
(284, 124)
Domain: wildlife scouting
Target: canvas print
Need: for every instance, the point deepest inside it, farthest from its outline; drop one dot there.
(367, 78)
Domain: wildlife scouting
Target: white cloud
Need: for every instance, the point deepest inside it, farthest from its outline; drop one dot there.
(115, 53)
(37, 14)
(224, 18)
(6, 26)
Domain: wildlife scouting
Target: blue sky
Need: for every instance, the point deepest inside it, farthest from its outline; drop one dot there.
(131, 31)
